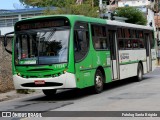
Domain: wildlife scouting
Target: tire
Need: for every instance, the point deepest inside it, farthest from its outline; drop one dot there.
(98, 82)
(49, 93)
(139, 76)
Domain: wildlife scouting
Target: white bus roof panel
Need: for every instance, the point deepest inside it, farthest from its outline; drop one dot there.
(117, 23)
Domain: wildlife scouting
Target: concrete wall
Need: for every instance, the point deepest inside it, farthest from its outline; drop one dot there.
(6, 81)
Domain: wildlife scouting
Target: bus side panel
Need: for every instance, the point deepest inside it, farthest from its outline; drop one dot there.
(144, 67)
(85, 72)
(102, 59)
(128, 60)
(108, 73)
(86, 69)
(71, 54)
(108, 70)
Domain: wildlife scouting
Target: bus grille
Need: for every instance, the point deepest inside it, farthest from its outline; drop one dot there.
(47, 84)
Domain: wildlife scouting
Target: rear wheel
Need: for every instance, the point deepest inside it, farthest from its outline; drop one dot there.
(50, 92)
(98, 82)
(139, 76)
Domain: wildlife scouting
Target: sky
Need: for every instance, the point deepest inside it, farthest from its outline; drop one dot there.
(9, 4)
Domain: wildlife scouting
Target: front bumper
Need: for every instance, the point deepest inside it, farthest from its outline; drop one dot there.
(67, 80)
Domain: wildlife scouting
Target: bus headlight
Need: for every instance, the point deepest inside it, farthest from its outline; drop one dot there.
(18, 74)
(64, 71)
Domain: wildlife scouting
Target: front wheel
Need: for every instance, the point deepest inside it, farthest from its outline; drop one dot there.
(49, 93)
(98, 82)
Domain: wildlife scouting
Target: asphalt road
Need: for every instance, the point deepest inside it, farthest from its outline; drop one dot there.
(124, 95)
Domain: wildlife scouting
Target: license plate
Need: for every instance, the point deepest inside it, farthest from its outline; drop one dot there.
(39, 82)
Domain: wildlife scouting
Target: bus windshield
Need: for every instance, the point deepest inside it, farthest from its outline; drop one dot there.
(41, 46)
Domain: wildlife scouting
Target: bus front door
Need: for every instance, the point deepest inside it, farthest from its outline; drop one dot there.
(148, 52)
(114, 54)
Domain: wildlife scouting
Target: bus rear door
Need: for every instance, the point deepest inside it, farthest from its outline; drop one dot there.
(114, 54)
(148, 52)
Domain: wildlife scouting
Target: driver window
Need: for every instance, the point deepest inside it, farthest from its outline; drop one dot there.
(81, 40)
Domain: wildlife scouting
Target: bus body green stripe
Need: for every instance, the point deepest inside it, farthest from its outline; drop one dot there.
(131, 62)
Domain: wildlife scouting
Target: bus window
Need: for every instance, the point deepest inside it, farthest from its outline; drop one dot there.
(141, 43)
(137, 34)
(119, 32)
(151, 39)
(135, 43)
(140, 34)
(81, 41)
(133, 33)
(127, 35)
(128, 44)
(121, 44)
(99, 37)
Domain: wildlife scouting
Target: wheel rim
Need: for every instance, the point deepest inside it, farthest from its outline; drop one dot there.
(99, 81)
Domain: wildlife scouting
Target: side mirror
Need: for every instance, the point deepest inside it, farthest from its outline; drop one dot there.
(6, 43)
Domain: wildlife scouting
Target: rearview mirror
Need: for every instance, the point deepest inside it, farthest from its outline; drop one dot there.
(6, 43)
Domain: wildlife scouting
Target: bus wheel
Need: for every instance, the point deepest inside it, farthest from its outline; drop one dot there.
(98, 82)
(50, 92)
(139, 73)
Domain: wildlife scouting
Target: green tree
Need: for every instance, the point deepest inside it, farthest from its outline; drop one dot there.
(56, 3)
(70, 7)
(41, 3)
(133, 14)
(87, 7)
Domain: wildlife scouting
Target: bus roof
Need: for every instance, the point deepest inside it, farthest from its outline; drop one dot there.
(75, 17)
(117, 23)
(91, 19)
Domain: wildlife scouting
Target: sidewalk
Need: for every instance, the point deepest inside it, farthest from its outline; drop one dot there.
(13, 94)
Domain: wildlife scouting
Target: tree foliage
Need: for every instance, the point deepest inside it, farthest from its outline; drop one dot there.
(133, 14)
(69, 7)
(42, 3)
(45, 3)
(87, 8)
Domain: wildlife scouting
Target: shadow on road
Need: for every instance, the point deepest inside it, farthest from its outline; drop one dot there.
(74, 94)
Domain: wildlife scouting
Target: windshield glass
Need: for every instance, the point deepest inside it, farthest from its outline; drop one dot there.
(41, 47)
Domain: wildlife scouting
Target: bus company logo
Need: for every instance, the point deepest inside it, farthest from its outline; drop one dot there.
(124, 56)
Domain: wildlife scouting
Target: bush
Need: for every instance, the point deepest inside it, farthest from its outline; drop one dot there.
(133, 14)
(25, 91)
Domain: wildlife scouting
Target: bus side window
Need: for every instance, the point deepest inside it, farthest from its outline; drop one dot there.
(119, 32)
(127, 34)
(128, 44)
(77, 43)
(81, 40)
(133, 34)
(141, 43)
(121, 44)
(151, 40)
(99, 36)
(135, 43)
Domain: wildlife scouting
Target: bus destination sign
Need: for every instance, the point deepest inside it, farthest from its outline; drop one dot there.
(41, 24)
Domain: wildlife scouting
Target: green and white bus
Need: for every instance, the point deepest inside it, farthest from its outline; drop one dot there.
(74, 51)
